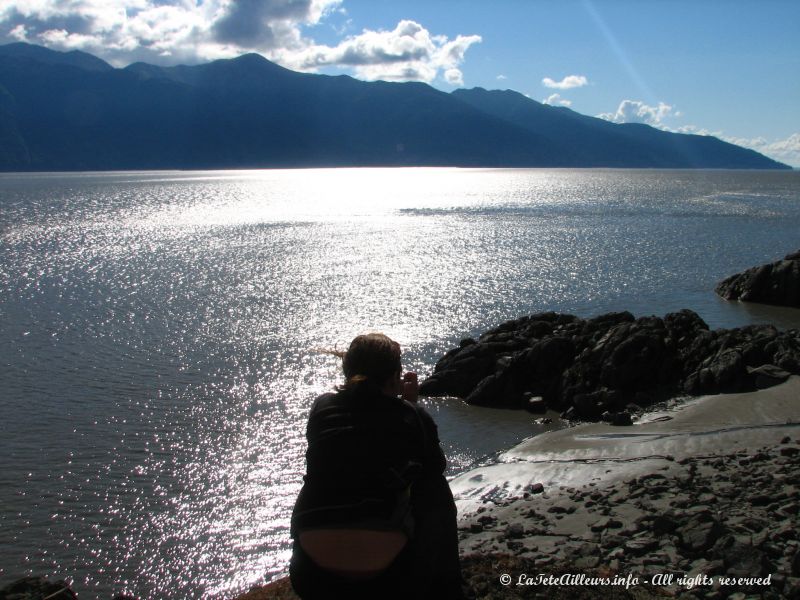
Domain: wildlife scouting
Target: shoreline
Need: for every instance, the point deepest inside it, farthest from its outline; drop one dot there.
(703, 496)
(696, 500)
(689, 492)
(707, 424)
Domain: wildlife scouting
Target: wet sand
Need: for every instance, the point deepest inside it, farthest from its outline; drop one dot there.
(710, 488)
(604, 454)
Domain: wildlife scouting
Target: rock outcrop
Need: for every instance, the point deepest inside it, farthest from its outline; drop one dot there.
(37, 588)
(597, 368)
(777, 283)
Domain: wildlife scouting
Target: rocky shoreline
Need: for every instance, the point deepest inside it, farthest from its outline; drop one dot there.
(697, 501)
(700, 527)
(611, 365)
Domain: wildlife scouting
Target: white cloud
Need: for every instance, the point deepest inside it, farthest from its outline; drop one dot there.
(184, 31)
(569, 82)
(19, 33)
(786, 150)
(556, 100)
(454, 77)
(63, 39)
(409, 52)
(635, 111)
(501, 78)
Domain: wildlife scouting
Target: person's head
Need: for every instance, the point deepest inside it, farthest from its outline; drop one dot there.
(372, 359)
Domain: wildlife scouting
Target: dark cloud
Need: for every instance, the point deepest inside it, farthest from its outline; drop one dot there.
(34, 26)
(376, 56)
(248, 23)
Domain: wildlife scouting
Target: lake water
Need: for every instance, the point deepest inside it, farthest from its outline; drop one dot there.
(158, 332)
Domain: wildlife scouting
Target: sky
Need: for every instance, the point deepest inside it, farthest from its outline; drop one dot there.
(729, 68)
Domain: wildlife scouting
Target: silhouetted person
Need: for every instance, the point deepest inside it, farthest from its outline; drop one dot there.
(375, 517)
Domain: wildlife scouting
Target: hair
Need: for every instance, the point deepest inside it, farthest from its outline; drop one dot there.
(372, 359)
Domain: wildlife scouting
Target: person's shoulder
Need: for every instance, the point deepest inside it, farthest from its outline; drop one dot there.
(326, 397)
(422, 412)
(323, 400)
(424, 418)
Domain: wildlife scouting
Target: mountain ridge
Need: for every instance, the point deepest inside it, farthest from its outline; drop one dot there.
(72, 111)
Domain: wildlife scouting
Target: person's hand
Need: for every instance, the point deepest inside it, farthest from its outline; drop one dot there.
(410, 387)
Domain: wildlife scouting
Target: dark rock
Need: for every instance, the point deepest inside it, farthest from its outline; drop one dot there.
(684, 323)
(537, 329)
(776, 283)
(796, 564)
(609, 320)
(791, 589)
(741, 559)
(621, 419)
(612, 541)
(586, 562)
(661, 524)
(589, 406)
(767, 376)
(700, 532)
(493, 390)
(569, 414)
(36, 588)
(536, 488)
(641, 545)
(728, 370)
(634, 360)
(605, 523)
(539, 368)
(585, 369)
(515, 531)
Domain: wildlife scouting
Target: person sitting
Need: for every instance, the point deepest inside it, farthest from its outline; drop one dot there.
(375, 517)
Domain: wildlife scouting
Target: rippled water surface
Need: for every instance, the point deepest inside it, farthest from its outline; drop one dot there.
(157, 332)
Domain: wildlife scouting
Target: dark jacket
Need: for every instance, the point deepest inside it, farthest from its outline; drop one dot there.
(370, 457)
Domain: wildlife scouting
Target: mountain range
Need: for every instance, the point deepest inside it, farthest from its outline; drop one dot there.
(70, 111)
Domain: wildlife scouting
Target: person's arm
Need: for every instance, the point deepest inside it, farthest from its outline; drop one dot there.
(410, 387)
(435, 461)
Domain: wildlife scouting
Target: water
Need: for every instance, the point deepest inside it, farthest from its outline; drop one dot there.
(157, 332)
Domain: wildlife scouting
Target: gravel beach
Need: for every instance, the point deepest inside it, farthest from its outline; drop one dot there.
(700, 500)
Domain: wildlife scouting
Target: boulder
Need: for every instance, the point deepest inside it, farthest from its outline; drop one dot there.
(494, 390)
(767, 376)
(776, 283)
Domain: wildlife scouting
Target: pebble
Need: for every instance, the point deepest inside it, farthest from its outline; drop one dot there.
(515, 530)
